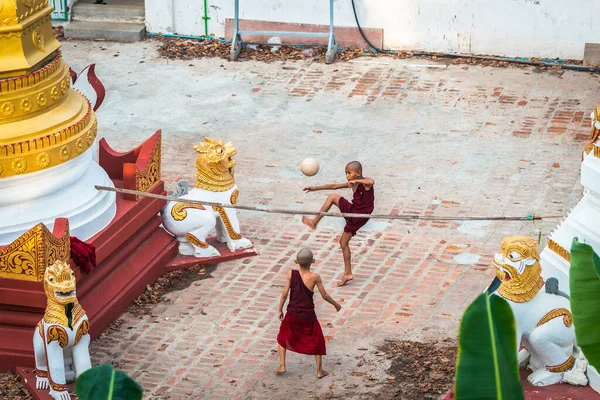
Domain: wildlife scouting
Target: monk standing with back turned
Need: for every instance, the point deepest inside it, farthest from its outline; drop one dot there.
(300, 330)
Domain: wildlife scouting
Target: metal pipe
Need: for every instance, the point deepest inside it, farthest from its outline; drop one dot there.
(422, 54)
(173, 15)
(236, 13)
(510, 60)
(172, 35)
(330, 17)
(205, 18)
(530, 217)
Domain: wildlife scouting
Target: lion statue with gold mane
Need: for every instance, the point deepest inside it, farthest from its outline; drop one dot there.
(215, 183)
(61, 339)
(542, 314)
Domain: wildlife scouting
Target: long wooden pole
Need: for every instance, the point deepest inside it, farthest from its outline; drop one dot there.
(321, 213)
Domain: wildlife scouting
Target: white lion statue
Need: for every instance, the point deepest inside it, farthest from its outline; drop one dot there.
(215, 183)
(61, 339)
(542, 313)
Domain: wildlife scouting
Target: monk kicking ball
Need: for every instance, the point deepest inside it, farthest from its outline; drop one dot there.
(363, 202)
(300, 330)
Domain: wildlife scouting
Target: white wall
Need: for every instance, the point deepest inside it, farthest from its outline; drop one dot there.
(523, 28)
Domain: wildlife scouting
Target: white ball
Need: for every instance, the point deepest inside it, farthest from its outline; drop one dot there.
(309, 166)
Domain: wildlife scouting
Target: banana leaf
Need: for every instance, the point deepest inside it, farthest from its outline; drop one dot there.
(486, 367)
(584, 281)
(105, 383)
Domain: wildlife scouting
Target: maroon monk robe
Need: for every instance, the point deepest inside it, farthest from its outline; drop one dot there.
(300, 330)
(363, 202)
(83, 254)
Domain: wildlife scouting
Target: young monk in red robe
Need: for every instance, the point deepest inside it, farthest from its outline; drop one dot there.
(363, 202)
(300, 330)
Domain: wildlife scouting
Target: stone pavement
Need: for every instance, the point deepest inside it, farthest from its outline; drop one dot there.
(438, 140)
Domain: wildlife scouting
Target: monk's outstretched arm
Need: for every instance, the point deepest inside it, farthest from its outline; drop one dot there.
(284, 295)
(331, 186)
(326, 296)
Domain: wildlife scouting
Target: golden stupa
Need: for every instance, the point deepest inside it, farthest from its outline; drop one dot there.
(43, 122)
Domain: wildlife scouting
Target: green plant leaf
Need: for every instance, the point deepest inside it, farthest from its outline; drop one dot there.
(486, 366)
(584, 282)
(105, 383)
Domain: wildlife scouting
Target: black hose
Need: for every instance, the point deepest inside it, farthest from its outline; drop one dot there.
(489, 58)
(364, 36)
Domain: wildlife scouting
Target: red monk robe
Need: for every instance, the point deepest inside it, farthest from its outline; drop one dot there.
(363, 202)
(300, 330)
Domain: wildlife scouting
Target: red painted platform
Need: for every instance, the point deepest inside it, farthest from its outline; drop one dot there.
(553, 392)
(28, 380)
(131, 253)
(183, 262)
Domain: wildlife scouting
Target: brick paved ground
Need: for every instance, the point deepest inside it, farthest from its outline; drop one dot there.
(452, 141)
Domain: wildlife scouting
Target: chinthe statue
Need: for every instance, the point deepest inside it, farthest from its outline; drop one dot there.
(61, 339)
(191, 223)
(542, 314)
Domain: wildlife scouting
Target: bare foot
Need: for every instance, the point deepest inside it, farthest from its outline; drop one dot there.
(345, 279)
(280, 371)
(323, 374)
(309, 222)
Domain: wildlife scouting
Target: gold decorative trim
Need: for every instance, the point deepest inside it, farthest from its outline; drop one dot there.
(42, 100)
(33, 8)
(205, 179)
(557, 312)
(19, 165)
(232, 233)
(567, 365)
(558, 249)
(65, 152)
(595, 134)
(42, 160)
(28, 3)
(234, 197)
(25, 105)
(22, 83)
(525, 293)
(195, 241)
(79, 145)
(145, 180)
(34, 98)
(7, 109)
(38, 39)
(19, 158)
(55, 313)
(57, 332)
(59, 387)
(31, 253)
(40, 328)
(597, 152)
(91, 135)
(41, 374)
(179, 213)
(26, 50)
(83, 330)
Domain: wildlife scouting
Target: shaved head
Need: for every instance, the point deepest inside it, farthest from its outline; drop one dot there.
(304, 257)
(354, 166)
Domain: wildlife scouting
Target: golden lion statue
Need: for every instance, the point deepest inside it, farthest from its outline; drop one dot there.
(543, 317)
(61, 339)
(215, 183)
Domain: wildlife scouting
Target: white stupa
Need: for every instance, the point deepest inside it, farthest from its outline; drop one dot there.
(582, 222)
(47, 134)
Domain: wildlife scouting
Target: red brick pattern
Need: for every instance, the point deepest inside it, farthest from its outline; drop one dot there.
(453, 142)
